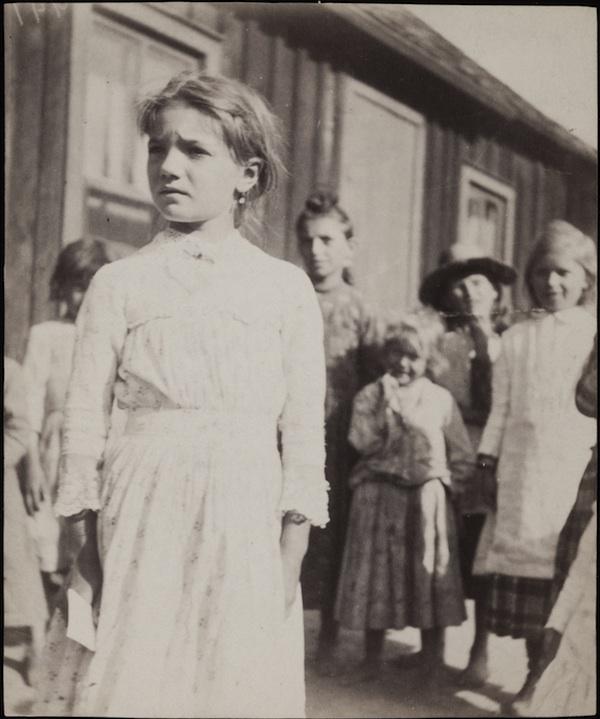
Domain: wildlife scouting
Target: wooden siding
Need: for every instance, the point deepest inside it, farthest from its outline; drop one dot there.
(293, 61)
(302, 79)
(302, 90)
(38, 49)
(542, 192)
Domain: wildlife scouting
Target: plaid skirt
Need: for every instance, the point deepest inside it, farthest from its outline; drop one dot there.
(580, 515)
(517, 607)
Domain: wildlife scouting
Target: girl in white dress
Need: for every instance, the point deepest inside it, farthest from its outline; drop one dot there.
(196, 526)
(536, 444)
(48, 363)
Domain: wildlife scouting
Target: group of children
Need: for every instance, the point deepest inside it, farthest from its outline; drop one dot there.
(455, 449)
(455, 458)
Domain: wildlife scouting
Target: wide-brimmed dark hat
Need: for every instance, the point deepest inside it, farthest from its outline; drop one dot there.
(462, 260)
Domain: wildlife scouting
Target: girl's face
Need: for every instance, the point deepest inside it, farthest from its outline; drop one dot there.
(324, 248)
(192, 174)
(474, 295)
(558, 281)
(405, 360)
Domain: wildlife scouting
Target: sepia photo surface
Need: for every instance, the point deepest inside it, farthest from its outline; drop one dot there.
(423, 146)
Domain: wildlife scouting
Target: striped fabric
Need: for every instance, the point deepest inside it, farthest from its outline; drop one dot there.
(518, 606)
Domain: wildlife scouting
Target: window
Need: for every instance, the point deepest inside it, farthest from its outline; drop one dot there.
(121, 53)
(486, 213)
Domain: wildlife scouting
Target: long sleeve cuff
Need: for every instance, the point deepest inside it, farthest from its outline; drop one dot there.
(305, 491)
(79, 486)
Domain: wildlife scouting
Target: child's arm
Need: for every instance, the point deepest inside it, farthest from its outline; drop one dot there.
(16, 424)
(368, 426)
(461, 457)
(36, 366)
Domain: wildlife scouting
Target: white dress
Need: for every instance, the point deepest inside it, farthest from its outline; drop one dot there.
(47, 366)
(542, 441)
(217, 352)
(568, 686)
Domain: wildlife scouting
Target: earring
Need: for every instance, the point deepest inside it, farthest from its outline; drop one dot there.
(242, 200)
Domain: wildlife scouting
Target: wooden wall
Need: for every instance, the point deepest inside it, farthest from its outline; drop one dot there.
(288, 55)
(543, 192)
(301, 75)
(38, 49)
(302, 89)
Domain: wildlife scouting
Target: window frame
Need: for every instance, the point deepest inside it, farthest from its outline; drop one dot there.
(471, 176)
(153, 22)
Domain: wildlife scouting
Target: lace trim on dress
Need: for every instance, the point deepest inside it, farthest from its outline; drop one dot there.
(78, 492)
(305, 492)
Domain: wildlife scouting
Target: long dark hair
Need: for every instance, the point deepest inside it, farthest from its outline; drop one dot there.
(77, 263)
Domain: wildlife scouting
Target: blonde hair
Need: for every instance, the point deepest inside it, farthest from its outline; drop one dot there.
(425, 328)
(561, 235)
(249, 127)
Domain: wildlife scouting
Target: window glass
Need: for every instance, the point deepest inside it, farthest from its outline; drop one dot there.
(123, 66)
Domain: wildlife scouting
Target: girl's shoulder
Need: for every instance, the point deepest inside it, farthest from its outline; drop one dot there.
(434, 392)
(50, 331)
(289, 279)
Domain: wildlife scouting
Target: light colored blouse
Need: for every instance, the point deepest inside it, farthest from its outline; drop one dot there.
(543, 443)
(224, 330)
(415, 433)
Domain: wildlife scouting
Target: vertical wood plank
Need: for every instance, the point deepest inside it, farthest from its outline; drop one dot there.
(325, 126)
(525, 225)
(257, 58)
(432, 198)
(281, 98)
(48, 238)
(21, 216)
(232, 45)
(303, 139)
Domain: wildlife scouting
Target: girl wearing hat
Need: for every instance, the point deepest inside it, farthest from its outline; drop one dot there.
(467, 291)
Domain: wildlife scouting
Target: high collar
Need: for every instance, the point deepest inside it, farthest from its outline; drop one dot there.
(197, 245)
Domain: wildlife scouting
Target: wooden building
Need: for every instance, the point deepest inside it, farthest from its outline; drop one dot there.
(421, 144)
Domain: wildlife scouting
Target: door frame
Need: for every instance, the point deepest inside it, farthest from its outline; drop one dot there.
(351, 87)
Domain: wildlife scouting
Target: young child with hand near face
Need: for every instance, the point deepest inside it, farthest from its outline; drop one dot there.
(401, 565)
(352, 335)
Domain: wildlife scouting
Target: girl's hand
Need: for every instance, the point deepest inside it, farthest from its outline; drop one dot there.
(293, 543)
(34, 484)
